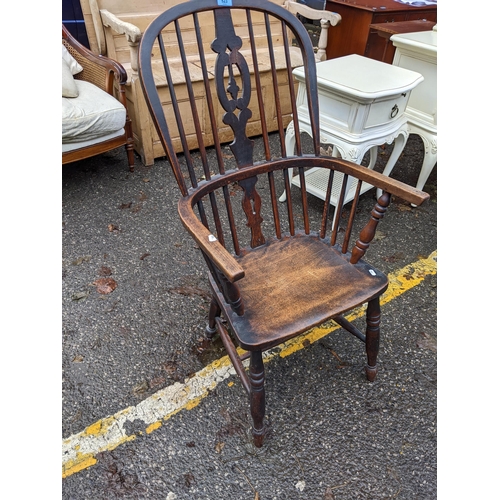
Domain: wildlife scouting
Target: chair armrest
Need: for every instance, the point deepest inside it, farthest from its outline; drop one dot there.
(208, 243)
(299, 8)
(132, 34)
(131, 31)
(381, 181)
(326, 17)
(98, 70)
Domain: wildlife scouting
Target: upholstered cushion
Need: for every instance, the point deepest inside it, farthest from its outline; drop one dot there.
(92, 114)
(72, 62)
(69, 88)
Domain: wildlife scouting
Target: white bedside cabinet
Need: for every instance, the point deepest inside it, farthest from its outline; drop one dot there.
(418, 52)
(362, 105)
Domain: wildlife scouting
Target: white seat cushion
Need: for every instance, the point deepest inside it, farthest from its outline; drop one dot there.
(92, 114)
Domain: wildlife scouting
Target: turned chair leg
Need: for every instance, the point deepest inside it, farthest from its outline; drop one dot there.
(130, 157)
(213, 313)
(372, 337)
(257, 396)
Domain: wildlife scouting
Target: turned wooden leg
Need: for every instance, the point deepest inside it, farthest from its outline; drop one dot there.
(130, 155)
(372, 337)
(213, 313)
(257, 396)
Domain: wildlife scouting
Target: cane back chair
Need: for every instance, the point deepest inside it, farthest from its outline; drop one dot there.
(275, 270)
(106, 74)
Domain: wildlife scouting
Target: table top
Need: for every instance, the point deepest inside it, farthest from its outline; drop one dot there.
(362, 78)
(385, 5)
(385, 30)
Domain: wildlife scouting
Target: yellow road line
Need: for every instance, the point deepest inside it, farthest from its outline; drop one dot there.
(79, 451)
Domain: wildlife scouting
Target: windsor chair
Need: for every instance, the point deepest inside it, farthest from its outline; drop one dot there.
(275, 269)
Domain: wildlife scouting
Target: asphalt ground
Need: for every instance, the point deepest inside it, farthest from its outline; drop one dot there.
(130, 354)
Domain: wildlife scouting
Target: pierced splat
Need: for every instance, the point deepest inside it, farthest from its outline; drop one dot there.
(251, 205)
(227, 45)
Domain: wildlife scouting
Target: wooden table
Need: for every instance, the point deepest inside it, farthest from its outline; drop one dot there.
(386, 30)
(354, 35)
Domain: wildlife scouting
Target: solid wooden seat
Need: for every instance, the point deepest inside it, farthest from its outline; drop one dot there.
(280, 279)
(276, 269)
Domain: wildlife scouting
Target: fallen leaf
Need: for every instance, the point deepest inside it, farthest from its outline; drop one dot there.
(427, 342)
(219, 446)
(105, 271)
(78, 358)
(404, 208)
(125, 205)
(77, 416)
(105, 285)
(379, 235)
(157, 381)
(328, 494)
(80, 260)
(80, 296)
(188, 479)
(143, 256)
(190, 291)
(113, 227)
(393, 258)
(140, 388)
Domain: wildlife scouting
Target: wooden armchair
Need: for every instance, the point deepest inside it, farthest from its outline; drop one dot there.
(87, 136)
(115, 28)
(275, 269)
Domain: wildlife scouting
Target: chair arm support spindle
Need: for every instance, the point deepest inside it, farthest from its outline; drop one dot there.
(368, 232)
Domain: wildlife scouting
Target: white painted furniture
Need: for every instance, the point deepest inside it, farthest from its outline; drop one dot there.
(418, 52)
(362, 105)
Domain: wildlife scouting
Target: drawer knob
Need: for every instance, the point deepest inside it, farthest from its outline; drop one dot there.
(394, 111)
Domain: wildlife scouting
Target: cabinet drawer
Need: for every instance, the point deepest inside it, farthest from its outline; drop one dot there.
(387, 110)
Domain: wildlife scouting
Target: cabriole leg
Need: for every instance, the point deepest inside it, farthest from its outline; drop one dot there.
(257, 396)
(213, 313)
(372, 337)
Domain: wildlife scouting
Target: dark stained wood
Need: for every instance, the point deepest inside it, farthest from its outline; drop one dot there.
(104, 73)
(386, 30)
(273, 272)
(354, 36)
(368, 232)
(257, 396)
(372, 337)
